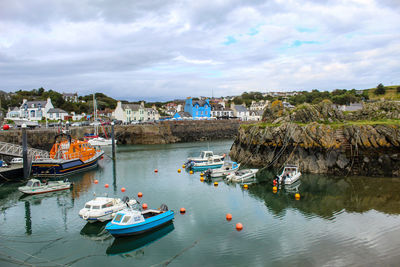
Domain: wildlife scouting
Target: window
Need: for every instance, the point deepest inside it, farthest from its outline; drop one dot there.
(36, 184)
(87, 206)
(118, 218)
(96, 207)
(126, 219)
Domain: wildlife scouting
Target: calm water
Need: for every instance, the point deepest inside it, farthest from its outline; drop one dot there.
(338, 221)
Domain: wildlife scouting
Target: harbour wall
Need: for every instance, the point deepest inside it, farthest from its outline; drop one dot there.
(158, 133)
(370, 150)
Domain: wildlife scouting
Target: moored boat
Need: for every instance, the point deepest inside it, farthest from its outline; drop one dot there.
(134, 222)
(66, 157)
(242, 175)
(205, 156)
(226, 169)
(104, 208)
(289, 175)
(35, 186)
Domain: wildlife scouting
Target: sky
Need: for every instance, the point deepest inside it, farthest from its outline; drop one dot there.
(160, 50)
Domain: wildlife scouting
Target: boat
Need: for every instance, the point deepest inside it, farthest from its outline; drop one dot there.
(205, 157)
(201, 166)
(100, 141)
(242, 175)
(134, 222)
(289, 175)
(104, 208)
(226, 169)
(133, 243)
(66, 157)
(35, 186)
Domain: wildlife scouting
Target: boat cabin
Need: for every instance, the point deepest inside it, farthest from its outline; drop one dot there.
(290, 170)
(33, 183)
(206, 154)
(134, 216)
(74, 149)
(100, 203)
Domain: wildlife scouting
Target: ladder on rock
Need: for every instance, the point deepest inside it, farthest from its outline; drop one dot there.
(344, 142)
(14, 150)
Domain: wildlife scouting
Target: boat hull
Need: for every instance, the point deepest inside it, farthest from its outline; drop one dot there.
(44, 190)
(140, 228)
(206, 167)
(51, 168)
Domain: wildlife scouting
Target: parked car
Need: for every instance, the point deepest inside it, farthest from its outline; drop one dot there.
(95, 123)
(17, 161)
(76, 124)
(85, 123)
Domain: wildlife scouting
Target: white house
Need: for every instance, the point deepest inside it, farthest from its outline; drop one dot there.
(151, 114)
(129, 112)
(219, 111)
(56, 114)
(240, 111)
(13, 113)
(35, 110)
(70, 97)
(261, 105)
(256, 115)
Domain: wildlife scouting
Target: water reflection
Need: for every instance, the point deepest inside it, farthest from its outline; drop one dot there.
(130, 244)
(325, 196)
(95, 231)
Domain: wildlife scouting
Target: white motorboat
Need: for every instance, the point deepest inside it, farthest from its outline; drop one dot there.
(100, 141)
(226, 169)
(205, 156)
(35, 186)
(104, 208)
(289, 175)
(242, 175)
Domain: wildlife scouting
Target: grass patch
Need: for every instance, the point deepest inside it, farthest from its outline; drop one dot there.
(391, 93)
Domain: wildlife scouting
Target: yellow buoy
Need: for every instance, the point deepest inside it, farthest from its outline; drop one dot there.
(274, 189)
(297, 196)
(202, 174)
(202, 179)
(179, 170)
(191, 172)
(183, 166)
(245, 186)
(215, 183)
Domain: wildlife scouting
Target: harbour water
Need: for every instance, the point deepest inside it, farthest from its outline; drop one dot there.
(338, 221)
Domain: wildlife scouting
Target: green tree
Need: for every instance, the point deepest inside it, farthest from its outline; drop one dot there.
(380, 89)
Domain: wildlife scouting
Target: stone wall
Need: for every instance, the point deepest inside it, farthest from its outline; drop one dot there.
(319, 148)
(160, 133)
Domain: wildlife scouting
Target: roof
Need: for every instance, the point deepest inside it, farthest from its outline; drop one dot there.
(56, 110)
(184, 114)
(134, 107)
(14, 109)
(257, 112)
(200, 102)
(240, 108)
(35, 104)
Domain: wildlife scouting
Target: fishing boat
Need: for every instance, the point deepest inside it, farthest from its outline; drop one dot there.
(289, 175)
(242, 175)
(66, 157)
(104, 208)
(212, 163)
(134, 222)
(35, 186)
(205, 156)
(226, 169)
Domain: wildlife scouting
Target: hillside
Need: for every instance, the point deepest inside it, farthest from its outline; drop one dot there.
(391, 93)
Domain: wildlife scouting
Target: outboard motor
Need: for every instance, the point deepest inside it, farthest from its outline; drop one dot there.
(208, 172)
(125, 199)
(163, 207)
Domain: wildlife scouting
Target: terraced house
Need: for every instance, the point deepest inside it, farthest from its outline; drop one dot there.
(129, 112)
(198, 108)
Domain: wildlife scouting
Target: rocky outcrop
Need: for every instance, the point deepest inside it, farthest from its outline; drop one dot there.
(161, 133)
(321, 148)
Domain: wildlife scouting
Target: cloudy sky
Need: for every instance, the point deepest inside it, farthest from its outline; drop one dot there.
(159, 49)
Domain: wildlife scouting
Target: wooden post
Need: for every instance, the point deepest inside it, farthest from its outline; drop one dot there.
(25, 152)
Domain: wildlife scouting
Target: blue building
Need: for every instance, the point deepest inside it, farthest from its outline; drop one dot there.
(198, 108)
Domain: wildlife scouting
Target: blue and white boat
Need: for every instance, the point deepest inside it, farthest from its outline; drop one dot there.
(205, 156)
(226, 169)
(202, 166)
(134, 222)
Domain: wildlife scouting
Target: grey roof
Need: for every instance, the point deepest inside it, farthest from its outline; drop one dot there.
(200, 102)
(241, 108)
(257, 112)
(184, 114)
(70, 94)
(56, 110)
(34, 103)
(134, 107)
(220, 107)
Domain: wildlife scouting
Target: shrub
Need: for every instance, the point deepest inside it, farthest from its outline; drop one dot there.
(380, 89)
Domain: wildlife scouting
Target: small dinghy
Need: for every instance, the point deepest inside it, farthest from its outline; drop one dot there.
(226, 169)
(134, 222)
(104, 208)
(35, 186)
(242, 175)
(289, 175)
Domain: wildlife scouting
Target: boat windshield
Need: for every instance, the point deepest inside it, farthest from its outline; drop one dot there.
(36, 184)
(96, 207)
(126, 219)
(107, 205)
(29, 183)
(87, 206)
(118, 218)
(202, 155)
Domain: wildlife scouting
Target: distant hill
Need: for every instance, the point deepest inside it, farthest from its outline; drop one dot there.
(391, 93)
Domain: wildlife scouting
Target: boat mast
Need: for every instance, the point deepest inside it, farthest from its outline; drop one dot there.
(95, 115)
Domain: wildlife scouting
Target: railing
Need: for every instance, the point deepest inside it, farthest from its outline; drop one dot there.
(16, 151)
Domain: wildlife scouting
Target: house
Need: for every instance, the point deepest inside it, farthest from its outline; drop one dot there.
(287, 105)
(256, 115)
(198, 108)
(240, 111)
(13, 113)
(70, 97)
(77, 117)
(182, 116)
(151, 114)
(35, 110)
(56, 114)
(171, 111)
(129, 112)
(261, 105)
(351, 107)
(219, 111)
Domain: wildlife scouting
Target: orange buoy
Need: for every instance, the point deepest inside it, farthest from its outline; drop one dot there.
(139, 194)
(6, 127)
(144, 206)
(274, 182)
(106, 185)
(245, 186)
(228, 217)
(96, 181)
(215, 183)
(202, 179)
(274, 188)
(182, 210)
(179, 170)
(297, 196)
(156, 170)
(123, 189)
(239, 226)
